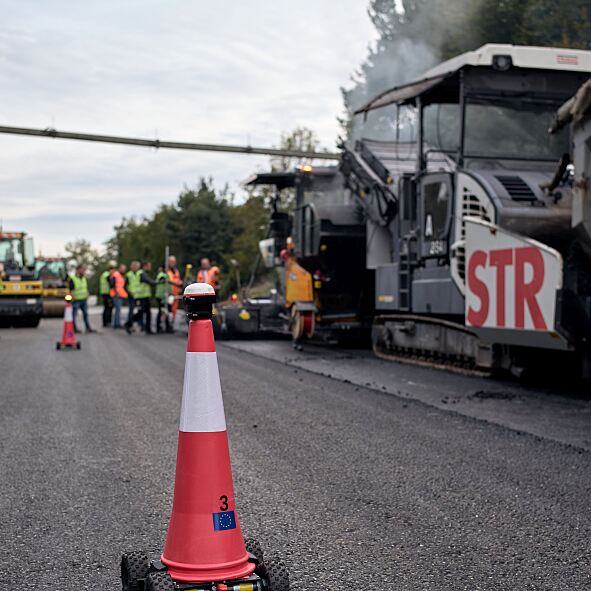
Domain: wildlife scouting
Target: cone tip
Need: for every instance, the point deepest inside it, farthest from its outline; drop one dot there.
(197, 289)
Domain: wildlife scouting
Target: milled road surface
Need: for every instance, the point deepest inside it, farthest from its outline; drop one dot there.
(357, 489)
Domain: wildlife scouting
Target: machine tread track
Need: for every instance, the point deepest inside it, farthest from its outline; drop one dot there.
(461, 364)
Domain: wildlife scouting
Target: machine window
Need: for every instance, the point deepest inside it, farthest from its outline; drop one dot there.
(513, 130)
(436, 199)
(10, 252)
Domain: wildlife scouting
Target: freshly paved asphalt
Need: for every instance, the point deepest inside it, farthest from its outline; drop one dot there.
(356, 489)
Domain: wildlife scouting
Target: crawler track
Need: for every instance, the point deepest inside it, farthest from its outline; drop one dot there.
(428, 342)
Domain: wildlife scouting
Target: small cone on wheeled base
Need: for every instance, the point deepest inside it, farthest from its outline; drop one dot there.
(204, 549)
(69, 340)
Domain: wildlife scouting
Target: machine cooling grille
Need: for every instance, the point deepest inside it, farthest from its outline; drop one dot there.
(471, 206)
(517, 188)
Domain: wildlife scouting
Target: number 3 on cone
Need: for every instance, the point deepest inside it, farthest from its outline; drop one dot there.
(224, 505)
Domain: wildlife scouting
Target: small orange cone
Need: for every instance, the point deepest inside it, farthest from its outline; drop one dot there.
(68, 336)
(204, 541)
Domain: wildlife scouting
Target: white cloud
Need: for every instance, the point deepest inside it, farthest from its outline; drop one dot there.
(227, 72)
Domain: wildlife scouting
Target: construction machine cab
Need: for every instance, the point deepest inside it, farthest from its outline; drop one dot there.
(17, 253)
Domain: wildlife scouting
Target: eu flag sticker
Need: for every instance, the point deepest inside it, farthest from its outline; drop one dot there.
(224, 520)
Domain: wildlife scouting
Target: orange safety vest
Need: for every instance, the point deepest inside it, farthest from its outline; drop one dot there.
(211, 276)
(119, 288)
(174, 276)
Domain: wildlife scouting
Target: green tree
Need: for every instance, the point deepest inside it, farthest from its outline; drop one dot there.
(558, 23)
(82, 252)
(301, 138)
(201, 224)
(250, 221)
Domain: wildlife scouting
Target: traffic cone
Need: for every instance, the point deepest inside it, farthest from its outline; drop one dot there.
(68, 336)
(204, 541)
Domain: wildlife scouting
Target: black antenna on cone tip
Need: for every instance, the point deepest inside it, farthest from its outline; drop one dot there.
(199, 299)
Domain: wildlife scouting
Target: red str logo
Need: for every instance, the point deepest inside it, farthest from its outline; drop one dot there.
(525, 292)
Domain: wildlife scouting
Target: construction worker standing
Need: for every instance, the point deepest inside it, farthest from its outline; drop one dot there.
(78, 284)
(132, 279)
(175, 282)
(209, 274)
(143, 295)
(160, 293)
(105, 293)
(117, 293)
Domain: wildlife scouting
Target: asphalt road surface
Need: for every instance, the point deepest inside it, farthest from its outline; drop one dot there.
(357, 489)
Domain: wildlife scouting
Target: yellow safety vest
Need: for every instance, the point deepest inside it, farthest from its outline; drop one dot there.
(80, 291)
(133, 282)
(143, 290)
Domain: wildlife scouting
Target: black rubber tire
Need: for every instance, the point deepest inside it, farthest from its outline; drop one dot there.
(78, 345)
(277, 575)
(159, 582)
(254, 548)
(134, 566)
(58, 346)
(27, 322)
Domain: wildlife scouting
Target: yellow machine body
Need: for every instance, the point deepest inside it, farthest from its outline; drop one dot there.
(298, 283)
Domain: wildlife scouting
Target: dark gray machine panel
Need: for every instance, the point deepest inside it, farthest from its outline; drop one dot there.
(434, 292)
(387, 287)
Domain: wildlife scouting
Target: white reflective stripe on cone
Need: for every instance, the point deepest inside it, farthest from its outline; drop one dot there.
(68, 317)
(202, 409)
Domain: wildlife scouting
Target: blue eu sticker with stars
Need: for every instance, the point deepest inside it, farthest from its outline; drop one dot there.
(224, 520)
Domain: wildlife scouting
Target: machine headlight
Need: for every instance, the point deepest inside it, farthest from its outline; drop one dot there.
(502, 62)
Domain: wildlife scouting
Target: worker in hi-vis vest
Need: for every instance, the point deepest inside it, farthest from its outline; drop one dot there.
(175, 284)
(208, 274)
(132, 281)
(143, 296)
(105, 293)
(160, 293)
(79, 292)
(118, 293)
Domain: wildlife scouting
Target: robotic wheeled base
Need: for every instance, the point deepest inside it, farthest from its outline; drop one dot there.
(139, 573)
(60, 347)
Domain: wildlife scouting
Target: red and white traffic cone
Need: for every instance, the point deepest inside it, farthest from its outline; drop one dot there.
(68, 336)
(204, 541)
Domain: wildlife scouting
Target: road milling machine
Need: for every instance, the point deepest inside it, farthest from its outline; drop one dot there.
(480, 247)
(53, 273)
(316, 247)
(20, 293)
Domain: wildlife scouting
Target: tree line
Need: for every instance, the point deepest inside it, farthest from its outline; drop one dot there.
(202, 222)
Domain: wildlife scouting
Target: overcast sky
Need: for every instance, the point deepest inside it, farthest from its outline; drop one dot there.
(230, 71)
